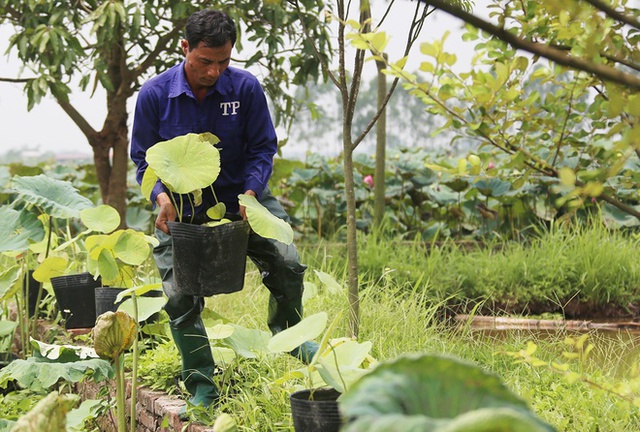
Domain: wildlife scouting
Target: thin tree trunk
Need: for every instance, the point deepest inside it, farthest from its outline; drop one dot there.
(352, 241)
(381, 145)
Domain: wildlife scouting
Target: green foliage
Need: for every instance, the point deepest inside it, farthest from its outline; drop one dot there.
(544, 123)
(438, 393)
(158, 368)
(58, 42)
(48, 415)
(572, 366)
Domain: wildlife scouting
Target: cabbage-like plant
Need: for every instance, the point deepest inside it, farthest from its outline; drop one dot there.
(189, 163)
(113, 334)
(437, 393)
(48, 415)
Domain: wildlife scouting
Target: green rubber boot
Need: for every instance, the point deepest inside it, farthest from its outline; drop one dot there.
(197, 364)
(284, 314)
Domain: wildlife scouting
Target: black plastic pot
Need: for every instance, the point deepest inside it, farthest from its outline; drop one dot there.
(209, 260)
(106, 297)
(315, 411)
(76, 299)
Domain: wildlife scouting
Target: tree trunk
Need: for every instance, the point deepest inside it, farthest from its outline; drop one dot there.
(381, 145)
(352, 241)
(111, 158)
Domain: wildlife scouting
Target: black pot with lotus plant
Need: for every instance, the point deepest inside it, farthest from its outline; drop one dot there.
(336, 366)
(208, 258)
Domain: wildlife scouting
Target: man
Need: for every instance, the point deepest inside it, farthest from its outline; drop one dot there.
(204, 94)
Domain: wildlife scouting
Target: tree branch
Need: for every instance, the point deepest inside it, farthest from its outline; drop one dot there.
(160, 47)
(604, 72)
(612, 13)
(15, 80)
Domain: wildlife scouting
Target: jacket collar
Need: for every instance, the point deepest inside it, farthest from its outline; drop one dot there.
(179, 84)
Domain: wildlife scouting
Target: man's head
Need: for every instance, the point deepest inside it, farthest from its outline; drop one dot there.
(209, 38)
(213, 28)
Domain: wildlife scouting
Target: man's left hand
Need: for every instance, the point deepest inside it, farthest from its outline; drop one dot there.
(243, 209)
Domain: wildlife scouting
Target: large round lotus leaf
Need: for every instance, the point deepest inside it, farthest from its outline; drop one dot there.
(492, 187)
(56, 198)
(186, 163)
(132, 248)
(102, 218)
(438, 387)
(264, 223)
(481, 420)
(457, 184)
(149, 180)
(309, 328)
(147, 306)
(51, 266)
(18, 229)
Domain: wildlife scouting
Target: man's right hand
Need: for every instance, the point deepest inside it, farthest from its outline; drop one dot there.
(166, 213)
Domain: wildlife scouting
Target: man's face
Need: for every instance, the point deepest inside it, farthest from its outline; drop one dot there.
(205, 64)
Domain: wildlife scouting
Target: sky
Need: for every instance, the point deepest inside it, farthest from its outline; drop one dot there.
(47, 128)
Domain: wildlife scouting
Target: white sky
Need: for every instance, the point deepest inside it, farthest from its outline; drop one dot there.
(46, 127)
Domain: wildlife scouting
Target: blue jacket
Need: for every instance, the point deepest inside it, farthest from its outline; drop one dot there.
(235, 110)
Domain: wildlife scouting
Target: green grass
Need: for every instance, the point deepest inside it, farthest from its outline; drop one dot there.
(399, 317)
(403, 288)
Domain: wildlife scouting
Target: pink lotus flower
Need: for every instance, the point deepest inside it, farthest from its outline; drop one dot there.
(368, 180)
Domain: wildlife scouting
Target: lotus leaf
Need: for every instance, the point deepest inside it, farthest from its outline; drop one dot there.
(139, 290)
(103, 218)
(308, 329)
(340, 366)
(113, 333)
(187, 162)
(225, 423)
(18, 229)
(56, 198)
(492, 187)
(248, 342)
(9, 282)
(436, 393)
(220, 331)
(132, 248)
(147, 306)
(264, 223)
(329, 282)
(457, 184)
(61, 353)
(51, 266)
(7, 327)
(217, 211)
(40, 374)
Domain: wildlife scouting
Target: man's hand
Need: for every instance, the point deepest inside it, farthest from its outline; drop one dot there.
(167, 212)
(243, 209)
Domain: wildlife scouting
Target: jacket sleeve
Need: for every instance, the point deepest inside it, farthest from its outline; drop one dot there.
(145, 133)
(260, 138)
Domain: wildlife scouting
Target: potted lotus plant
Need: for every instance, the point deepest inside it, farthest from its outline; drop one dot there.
(338, 364)
(113, 255)
(204, 262)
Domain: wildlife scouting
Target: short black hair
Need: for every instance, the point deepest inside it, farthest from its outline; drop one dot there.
(214, 28)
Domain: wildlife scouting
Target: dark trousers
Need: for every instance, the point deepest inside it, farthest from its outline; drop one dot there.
(279, 264)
